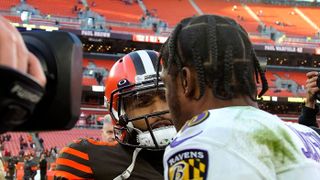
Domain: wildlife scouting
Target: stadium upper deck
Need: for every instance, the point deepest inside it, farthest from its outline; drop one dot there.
(130, 17)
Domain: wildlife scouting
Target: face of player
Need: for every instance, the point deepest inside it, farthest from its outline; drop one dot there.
(172, 95)
(145, 104)
(107, 133)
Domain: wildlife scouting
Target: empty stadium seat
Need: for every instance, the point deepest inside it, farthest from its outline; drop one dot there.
(131, 30)
(292, 23)
(298, 79)
(312, 14)
(14, 144)
(56, 7)
(117, 10)
(63, 138)
(7, 4)
(227, 9)
(89, 81)
(171, 11)
(14, 19)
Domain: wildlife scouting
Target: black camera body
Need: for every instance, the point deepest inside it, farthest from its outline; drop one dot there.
(60, 54)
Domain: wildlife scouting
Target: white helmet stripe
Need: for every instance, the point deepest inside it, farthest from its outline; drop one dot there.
(147, 63)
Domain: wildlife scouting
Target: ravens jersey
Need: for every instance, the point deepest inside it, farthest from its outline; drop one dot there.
(242, 142)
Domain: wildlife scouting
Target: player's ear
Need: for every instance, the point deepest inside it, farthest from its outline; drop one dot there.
(188, 81)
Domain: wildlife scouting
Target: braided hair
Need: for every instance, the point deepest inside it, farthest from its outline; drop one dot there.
(221, 53)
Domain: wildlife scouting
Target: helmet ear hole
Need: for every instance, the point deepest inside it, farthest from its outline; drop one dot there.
(131, 82)
(123, 83)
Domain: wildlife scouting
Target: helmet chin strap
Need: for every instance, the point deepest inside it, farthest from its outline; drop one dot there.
(163, 136)
(126, 174)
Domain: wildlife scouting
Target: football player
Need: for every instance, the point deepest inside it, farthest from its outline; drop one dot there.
(143, 127)
(210, 72)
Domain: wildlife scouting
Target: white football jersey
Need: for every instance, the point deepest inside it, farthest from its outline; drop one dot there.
(242, 142)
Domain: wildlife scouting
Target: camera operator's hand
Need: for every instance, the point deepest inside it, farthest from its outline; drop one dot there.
(312, 89)
(14, 54)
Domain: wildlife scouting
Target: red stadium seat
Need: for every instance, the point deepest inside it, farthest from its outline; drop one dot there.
(89, 81)
(7, 4)
(14, 19)
(171, 11)
(226, 9)
(14, 144)
(56, 7)
(297, 77)
(117, 10)
(293, 23)
(63, 138)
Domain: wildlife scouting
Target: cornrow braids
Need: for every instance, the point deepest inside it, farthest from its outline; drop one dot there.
(228, 73)
(258, 71)
(212, 43)
(172, 48)
(247, 83)
(200, 70)
(261, 74)
(222, 83)
(221, 54)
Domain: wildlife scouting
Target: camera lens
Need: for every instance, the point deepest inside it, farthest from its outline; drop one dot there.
(60, 54)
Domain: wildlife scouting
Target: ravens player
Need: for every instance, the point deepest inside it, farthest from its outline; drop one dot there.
(210, 72)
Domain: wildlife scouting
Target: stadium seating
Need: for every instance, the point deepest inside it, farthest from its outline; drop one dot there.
(117, 10)
(56, 7)
(171, 11)
(89, 81)
(14, 19)
(63, 138)
(312, 13)
(131, 30)
(260, 39)
(226, 9)
(14, 144)
(99, 63)
(298, 80)
(7, 4)
(51, 139)
(293, 23)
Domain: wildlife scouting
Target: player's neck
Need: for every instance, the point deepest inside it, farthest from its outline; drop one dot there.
(210, 102)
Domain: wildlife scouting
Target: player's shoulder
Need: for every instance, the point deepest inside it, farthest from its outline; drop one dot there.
(87, 144)
(91, 142)
(79, 144)
(299, 127)
(81, 157)
(195, 122)
(94, 142)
